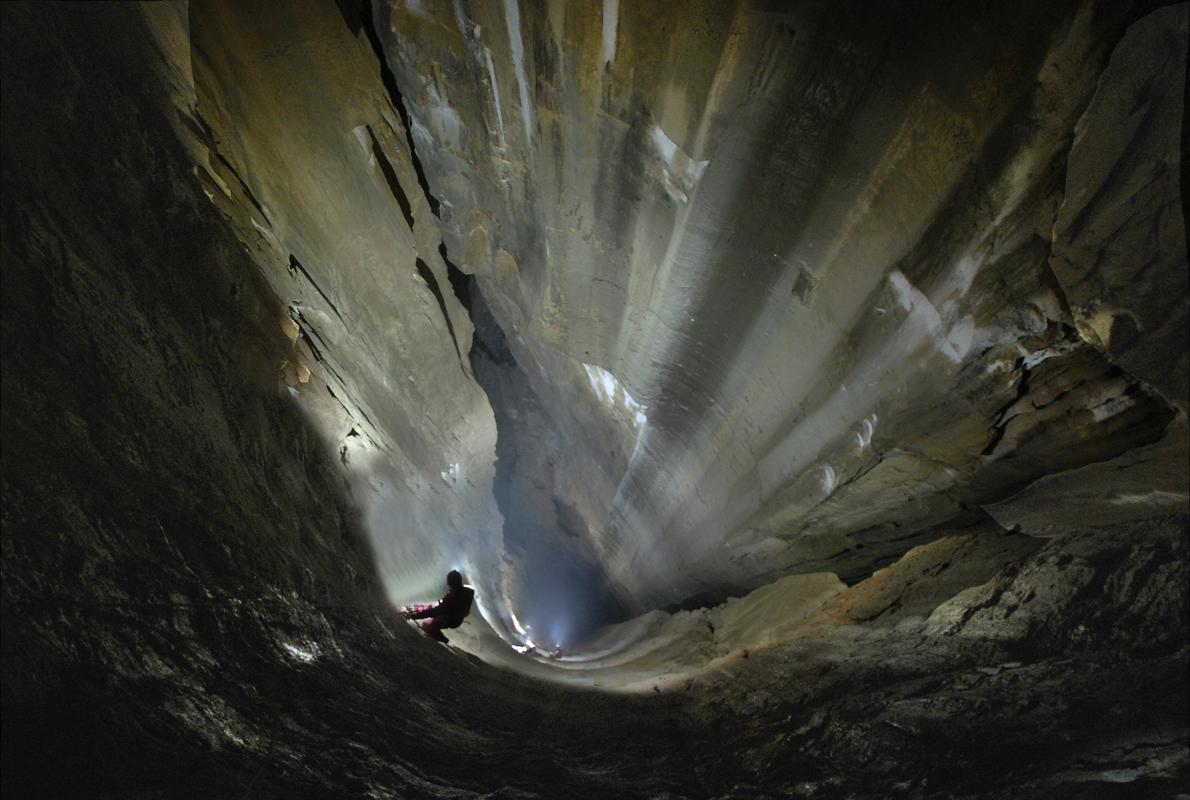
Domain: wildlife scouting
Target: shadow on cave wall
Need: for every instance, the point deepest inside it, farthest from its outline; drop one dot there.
(563, 591)
(167, 510)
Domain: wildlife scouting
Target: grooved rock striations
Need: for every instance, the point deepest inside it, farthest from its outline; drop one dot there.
(802, 257)
(802, 389)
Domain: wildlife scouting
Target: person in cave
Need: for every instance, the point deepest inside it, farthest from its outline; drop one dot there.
(450, 611)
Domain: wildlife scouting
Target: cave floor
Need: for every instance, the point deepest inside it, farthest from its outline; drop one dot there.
(224, 700)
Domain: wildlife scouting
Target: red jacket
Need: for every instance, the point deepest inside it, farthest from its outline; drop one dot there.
(453, 608)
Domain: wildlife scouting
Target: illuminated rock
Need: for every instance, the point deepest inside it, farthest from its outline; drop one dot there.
(807, 349)
(814, 262)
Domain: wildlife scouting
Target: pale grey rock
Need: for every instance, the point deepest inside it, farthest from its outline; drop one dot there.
(804, 272)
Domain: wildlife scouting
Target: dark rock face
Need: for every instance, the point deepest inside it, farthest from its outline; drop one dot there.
(899, 309)
(1120, 236)
(1016, 688)
(160, 497)
(558, 575)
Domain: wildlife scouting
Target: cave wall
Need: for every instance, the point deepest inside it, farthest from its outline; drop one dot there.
(164, 504)
(303, 149)
(194, 594)
(559, 589)
(1120, 236)
(884, 346)
(798, 285)
(141, 351)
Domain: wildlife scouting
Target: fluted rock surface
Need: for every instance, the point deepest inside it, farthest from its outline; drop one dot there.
(808, 334)
(810, 264)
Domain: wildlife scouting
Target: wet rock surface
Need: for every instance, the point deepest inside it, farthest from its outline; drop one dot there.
(220, 253)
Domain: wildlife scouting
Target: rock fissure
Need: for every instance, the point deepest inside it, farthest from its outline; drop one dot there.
(887, 502)
(427, 277)
(390, 177)
(296, 268)
(396, 101)
(204, 132)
